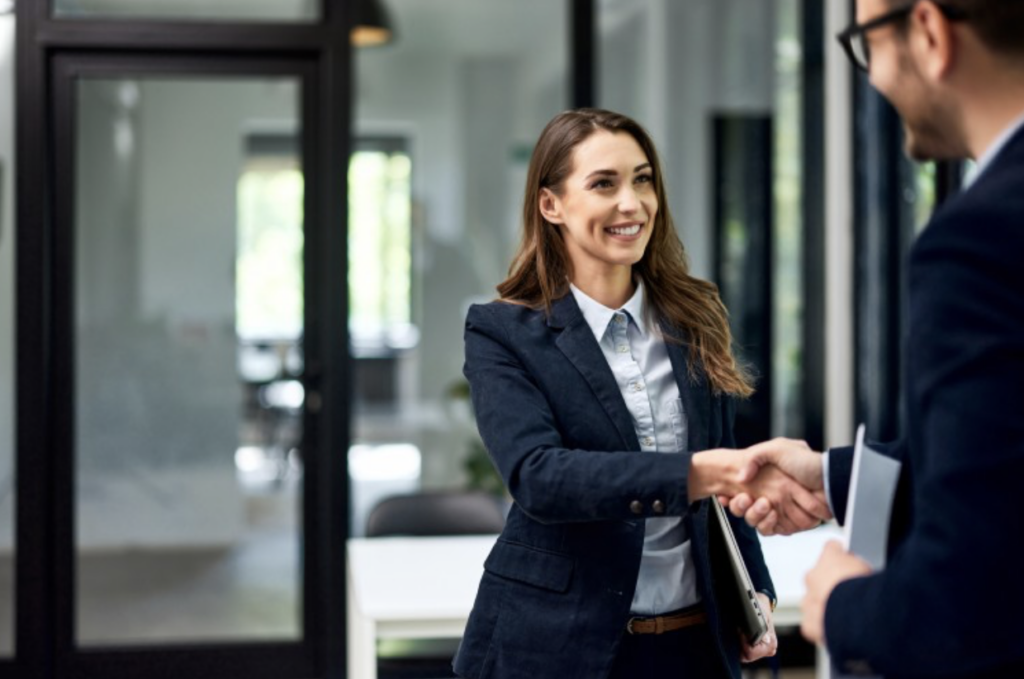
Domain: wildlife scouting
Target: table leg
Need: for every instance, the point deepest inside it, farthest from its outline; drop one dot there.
(824, 665)
(362, 639)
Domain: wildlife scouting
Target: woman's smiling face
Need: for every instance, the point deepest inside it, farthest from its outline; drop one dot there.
(606, 205)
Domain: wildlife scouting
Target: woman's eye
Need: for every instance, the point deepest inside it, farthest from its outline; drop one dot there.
(601, 184)
(644, 179)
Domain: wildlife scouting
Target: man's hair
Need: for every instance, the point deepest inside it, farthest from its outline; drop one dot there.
(998, 23)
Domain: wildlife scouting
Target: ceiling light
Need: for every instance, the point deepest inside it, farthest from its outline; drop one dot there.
(372, 25)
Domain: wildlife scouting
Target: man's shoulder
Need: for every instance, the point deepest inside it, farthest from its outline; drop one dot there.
(987, 218)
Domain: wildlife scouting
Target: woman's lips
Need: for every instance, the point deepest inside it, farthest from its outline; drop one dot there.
(626, 232)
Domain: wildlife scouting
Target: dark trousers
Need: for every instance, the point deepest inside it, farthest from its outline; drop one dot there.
(688, 653)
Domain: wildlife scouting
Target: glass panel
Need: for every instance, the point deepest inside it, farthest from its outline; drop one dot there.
(922, 194)
(189, 296)
(191, 10)
(445, 119)
(788, 226)
(7, 485)
(675, 67)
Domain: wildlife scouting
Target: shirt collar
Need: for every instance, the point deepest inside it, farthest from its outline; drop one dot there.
(598, 316)
(995, 147)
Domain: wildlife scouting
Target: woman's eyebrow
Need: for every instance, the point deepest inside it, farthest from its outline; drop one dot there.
(612, 173)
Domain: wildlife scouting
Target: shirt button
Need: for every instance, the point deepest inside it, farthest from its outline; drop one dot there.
(623, 348)
(620, 319)
(647, 441)
(658, 506)
(638, 386)
(636, 507)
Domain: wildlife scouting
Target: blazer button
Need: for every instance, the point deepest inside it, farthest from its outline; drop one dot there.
(658, 506)
(636, 507)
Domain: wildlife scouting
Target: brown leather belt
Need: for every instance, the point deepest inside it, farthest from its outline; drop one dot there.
(660, 624)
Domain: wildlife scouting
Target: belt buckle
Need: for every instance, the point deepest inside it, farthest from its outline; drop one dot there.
(629, 625)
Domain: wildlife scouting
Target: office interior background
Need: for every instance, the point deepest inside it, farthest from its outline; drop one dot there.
(236, 251)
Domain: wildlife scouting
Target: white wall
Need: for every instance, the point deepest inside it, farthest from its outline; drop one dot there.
(6, 282)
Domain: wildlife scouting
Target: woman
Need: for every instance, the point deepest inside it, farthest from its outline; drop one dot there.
(600, 371)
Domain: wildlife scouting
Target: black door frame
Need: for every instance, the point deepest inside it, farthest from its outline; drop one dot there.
(51, 55)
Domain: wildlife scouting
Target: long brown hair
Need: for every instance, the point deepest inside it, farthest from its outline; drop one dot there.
(691, 308)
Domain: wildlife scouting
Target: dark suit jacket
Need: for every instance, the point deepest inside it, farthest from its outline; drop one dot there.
(950, 602)
(556, 592)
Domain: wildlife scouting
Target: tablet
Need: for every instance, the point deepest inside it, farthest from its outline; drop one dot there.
(734, 588)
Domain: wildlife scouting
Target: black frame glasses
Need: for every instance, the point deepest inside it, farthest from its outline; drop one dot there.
(854, 38)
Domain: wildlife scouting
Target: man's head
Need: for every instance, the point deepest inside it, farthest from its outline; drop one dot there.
(934, 59)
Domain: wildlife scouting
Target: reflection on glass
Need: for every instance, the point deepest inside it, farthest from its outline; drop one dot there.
(188, 284)
(7, 330)
(191, 10)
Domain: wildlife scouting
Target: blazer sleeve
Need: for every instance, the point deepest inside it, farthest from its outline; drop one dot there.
(948, 602)
(552, 483)
(746, 536)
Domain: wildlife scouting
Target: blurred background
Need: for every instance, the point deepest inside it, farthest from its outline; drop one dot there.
(238, 241)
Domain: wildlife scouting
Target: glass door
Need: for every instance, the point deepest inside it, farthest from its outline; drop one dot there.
(186, 473)
(188, 289)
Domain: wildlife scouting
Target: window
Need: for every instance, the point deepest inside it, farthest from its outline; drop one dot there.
(380, 246)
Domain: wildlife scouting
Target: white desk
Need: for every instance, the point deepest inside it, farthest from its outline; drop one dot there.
(423, 588)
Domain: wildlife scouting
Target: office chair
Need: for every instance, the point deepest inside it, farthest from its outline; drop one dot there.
(436, 513)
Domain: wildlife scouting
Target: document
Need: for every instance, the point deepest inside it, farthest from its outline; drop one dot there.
(869, 508)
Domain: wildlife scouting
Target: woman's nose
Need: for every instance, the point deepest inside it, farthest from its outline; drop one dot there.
(628, 201)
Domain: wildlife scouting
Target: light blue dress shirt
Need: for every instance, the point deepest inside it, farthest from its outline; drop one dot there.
(636, 353)
(993, 150)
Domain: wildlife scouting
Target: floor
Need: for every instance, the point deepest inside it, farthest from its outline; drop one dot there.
(246, 592)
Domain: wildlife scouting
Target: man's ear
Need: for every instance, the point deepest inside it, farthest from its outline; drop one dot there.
(934, 40)
(551, 206)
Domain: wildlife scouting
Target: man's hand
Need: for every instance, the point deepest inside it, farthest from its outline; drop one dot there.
(729, 473)
(769, 643)
(798, 461)
(834, 566)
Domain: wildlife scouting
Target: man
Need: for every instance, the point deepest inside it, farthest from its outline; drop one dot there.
(950, 602)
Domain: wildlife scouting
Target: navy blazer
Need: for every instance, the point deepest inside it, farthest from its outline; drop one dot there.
(950, 602)
(557, 587)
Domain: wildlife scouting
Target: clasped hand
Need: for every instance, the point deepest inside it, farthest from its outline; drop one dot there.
(777, 486)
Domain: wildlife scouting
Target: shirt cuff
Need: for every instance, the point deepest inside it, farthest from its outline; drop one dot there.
(771, 598)
(828, 489)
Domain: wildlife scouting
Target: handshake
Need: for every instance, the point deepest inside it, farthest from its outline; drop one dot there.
(777, 486)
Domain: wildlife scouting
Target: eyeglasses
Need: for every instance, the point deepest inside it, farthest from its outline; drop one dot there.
(854, 39)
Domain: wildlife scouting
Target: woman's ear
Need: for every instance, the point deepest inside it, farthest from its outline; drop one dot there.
(551, 206)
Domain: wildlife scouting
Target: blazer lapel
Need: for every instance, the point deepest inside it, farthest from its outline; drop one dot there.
(577, 342)
(695, 395)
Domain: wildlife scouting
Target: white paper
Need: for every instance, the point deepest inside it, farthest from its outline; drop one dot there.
(869, 507)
